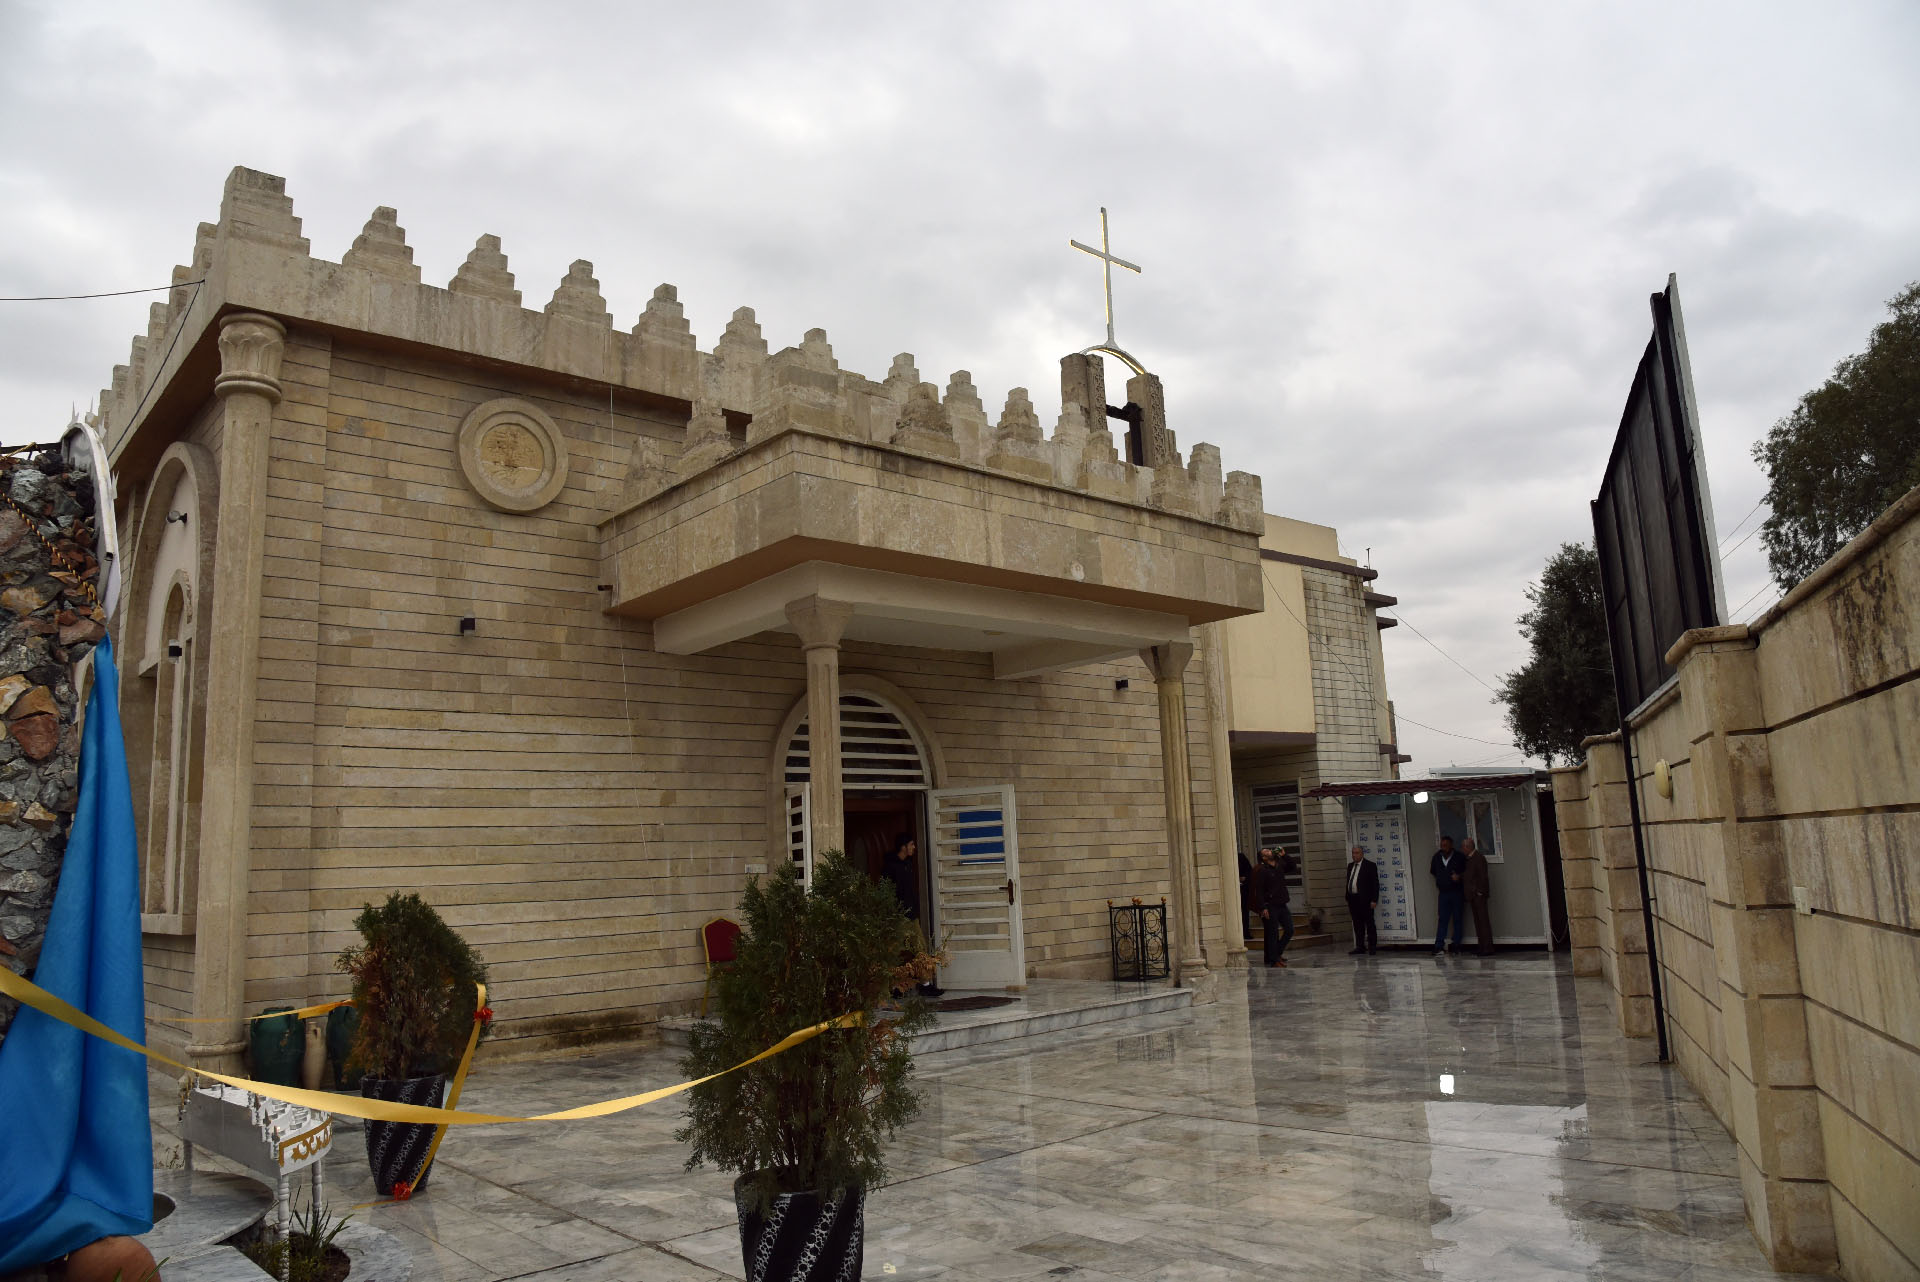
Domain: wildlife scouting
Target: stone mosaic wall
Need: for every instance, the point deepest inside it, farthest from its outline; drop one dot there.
(48, 624)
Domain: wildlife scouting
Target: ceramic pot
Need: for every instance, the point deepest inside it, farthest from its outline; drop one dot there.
(313, 1064)
(802, 1237)
(342, 1022)
(276, 1047)
(397, 1150)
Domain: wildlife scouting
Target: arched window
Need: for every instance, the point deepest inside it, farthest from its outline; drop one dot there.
(164, 611)
(173, 780)
(878, 749)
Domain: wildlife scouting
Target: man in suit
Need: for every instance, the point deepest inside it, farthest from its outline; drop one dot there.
(1270, 899)
(1363, 896)
(1476, 880)
(1448, 869)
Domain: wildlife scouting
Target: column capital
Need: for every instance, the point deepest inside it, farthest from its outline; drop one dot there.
(1168, 660)
(818, 622)
(251, 345)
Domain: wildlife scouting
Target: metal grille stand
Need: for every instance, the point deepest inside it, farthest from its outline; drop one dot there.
(1138, 933)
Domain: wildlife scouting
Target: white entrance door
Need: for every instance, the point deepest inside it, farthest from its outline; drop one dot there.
(976, 887)
(1383, 835)
(800, 829)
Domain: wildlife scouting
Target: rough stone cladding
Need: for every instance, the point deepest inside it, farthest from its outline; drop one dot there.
(575, 803)
(1794, 778)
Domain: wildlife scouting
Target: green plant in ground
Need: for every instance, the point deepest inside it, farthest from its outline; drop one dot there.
(414, 985)
(815, 1117)
(304, 1250)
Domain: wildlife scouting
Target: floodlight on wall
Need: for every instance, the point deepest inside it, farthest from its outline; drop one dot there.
(1121, 683)
(467, 625)
(173, 650)
(176, 518)
(1419, 798)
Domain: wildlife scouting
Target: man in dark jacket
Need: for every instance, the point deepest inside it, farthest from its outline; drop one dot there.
(1448, 870)
(1270, 898)
(1363, 896)
(1477, 882)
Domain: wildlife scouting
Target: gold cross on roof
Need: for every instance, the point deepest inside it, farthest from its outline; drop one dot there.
(1107, 264)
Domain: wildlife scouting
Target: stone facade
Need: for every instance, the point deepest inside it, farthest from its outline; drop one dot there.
(525, 611)
(49, 622)
(1779, 789)
(1308, 698)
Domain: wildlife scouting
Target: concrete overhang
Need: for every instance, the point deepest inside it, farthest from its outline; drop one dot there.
(928, 552)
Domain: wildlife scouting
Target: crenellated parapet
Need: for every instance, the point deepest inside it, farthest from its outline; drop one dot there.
(254, 258)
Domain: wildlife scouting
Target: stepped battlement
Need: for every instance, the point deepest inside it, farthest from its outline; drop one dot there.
(256, 258)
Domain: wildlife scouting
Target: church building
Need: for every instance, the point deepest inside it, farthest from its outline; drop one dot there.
(573, 628)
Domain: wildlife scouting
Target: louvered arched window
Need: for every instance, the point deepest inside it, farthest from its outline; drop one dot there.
(878, 749)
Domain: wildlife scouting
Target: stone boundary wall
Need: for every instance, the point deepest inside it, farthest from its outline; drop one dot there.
(48, 624)
(1784, 865)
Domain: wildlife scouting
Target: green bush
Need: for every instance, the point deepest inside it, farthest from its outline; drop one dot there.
(814, 1117)
(413, 984)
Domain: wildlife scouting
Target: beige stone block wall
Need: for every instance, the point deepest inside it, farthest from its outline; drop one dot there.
(575, 803)
(1788, 912)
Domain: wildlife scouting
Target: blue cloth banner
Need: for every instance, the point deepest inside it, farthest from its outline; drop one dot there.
(76, 1145)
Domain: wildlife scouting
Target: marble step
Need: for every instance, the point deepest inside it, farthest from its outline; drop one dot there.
(957, 1029)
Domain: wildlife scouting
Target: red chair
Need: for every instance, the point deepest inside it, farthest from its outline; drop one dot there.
(719, 937)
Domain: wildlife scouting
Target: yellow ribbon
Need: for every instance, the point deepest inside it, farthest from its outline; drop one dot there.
(305, 1012)
(46, 1003)
(459, 1079)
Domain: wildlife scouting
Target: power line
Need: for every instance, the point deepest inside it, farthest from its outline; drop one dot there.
(112, 293)
(1402, 618)
(1394, 712)
(167, 355)
(1749, 534)
(1743, 520)
(1741, 608)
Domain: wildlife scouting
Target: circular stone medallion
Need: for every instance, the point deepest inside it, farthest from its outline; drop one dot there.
(512, 455)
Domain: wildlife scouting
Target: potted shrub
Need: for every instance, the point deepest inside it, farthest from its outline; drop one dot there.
(414, 984)
(804, 1130)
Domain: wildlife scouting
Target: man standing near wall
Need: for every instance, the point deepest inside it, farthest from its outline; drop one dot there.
(1477, 882)
(1363, 896)
(1448, 874)
(1271, 898)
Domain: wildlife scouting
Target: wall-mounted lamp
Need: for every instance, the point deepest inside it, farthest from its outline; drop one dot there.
(467, 625)
(1121, 683)
(176, 517)
(174, 650)
(1419, 798)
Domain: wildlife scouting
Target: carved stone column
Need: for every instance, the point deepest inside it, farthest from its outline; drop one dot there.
(248, 387)
(1168, 664)
(819, 624)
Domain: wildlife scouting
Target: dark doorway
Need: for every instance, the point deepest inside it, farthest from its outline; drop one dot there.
(875, 822)
(1558, 935)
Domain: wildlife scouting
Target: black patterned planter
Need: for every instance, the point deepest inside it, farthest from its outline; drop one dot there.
(396, 1150)
(802, 1237)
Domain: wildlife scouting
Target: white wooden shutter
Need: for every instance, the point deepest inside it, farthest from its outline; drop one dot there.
(976, 886)
(800, 829)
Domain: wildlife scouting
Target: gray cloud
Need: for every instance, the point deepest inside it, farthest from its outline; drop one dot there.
(1397, 261)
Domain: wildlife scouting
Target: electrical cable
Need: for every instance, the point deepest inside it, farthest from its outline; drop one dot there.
(167, 355)
(1743, 538)
(1394, 712)
(112, 293)
(1743, 520)
(1402, 618)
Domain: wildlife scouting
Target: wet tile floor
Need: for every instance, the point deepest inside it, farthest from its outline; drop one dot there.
(1387, 1117)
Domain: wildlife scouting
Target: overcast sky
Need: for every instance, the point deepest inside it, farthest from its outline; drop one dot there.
(1397, 257)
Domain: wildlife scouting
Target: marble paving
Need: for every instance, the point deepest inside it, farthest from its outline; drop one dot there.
(1397, 1116)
